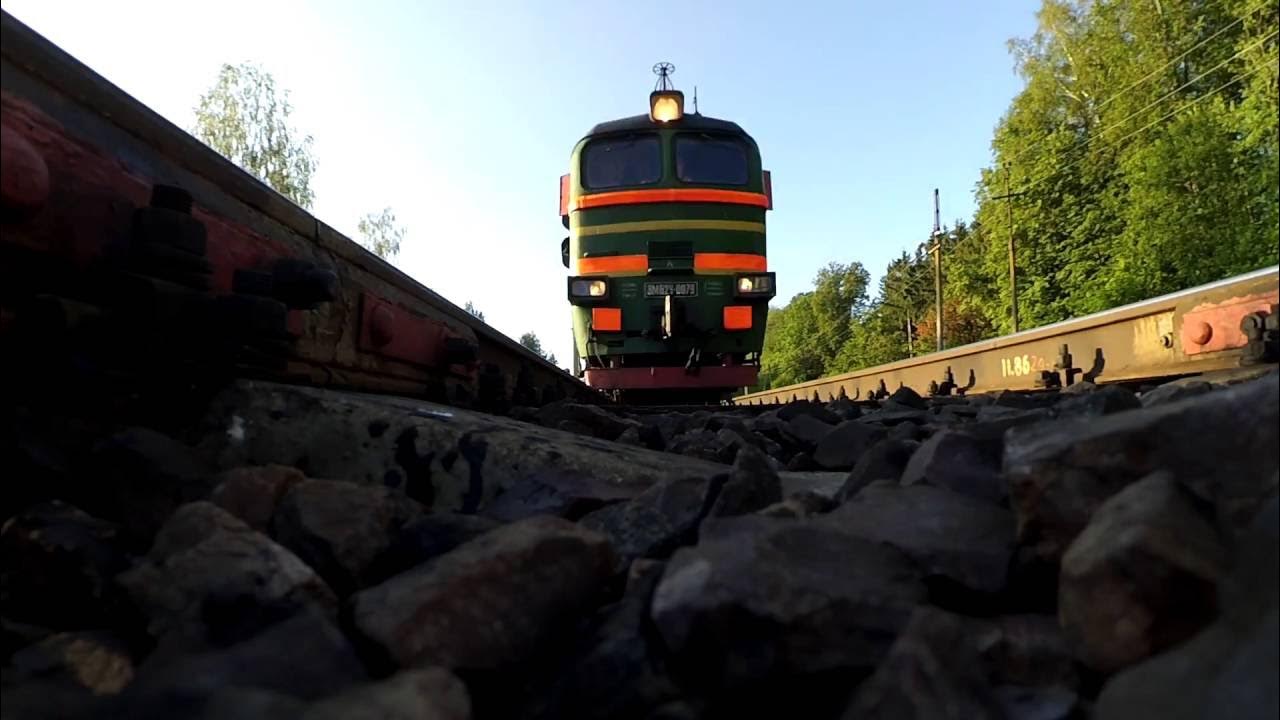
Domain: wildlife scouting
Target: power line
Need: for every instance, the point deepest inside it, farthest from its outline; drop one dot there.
(1166, 116)
(1153, 73)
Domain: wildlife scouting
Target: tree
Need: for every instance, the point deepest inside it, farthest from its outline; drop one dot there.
(472, 309)
(380, 234)
(245, 117)
(531, 341)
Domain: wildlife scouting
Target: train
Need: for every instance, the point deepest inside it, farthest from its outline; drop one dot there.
(668, 281)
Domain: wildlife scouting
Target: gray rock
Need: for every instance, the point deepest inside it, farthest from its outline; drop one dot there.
(1100, 401)
(448, 459)
(840, 448)
(490, 602)
(932, 671)
(883, 461)
(210, 578)
(430, 693)
(569, 495)
(426, 538)
(1027, 651)
(661, 519)
(145, 476)
(959, 461)
(1059, 473)
(792, 411)
(252, 493)
(599, 422)
(702, 444)
(805, 430)
(826, 484)
(1174, 391)
(844, 408)
(95, 662)
(304, 656)
(1038, 703)
(1231, 668)
(1141, 577)
(59, 562)
(752, 486)
(800, 505)
(802, 462)
(891, 413)
(763, 597)
(613, 672)
(967, 540)
(340, 528)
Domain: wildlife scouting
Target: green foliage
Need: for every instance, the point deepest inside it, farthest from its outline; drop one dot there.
(1142, 157)
(245, 117)
(472, 309)
(380, 234)
(531, 341)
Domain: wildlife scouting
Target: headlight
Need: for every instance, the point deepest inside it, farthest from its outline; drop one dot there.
(588, 288)
(755, 284)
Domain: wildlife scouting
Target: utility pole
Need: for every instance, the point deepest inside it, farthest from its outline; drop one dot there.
(1013, 258)
(936, 249)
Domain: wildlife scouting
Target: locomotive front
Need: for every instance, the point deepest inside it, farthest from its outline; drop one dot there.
(669, 282)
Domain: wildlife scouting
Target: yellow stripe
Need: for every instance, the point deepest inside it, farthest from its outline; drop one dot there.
(654, 225)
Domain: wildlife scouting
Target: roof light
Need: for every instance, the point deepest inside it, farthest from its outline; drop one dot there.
(666, 105)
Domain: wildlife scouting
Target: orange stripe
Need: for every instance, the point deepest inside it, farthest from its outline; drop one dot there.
(637, 197)
(730, 261)
(737, 317)
(613, 264)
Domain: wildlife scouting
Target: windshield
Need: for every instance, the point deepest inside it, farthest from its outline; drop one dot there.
(621, 162)
(711, 160)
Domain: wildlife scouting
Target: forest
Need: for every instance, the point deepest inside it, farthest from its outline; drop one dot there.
(1140, 158)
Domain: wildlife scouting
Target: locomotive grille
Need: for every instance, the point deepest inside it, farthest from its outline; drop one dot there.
(665, 255)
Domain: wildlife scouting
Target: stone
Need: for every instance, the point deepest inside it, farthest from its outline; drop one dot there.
(1174, 391)
(844, 408)
(661, 519)
(489, 602)
(1229, 669)
(1103, 400)
(791, 411)
(599, 422)
(802, 462)
(429, 693)
(752, 485)
(645, 436)
(252, 493)
(800, 505)
(1027, 651)
(340, 528)
(1039, 703)
(59, 563)
(303, 656)
(1059, 473)
(210, 578)
(826, 484)
(95, 661)
(762, 598)
(448, 459)
(959, 461)
(907, 431)
(891, 413)
(150, 474)
(840, 448)
(907, 397)
(613, 670)
(566, 495)
(806, 431)
(426, 538)
(883, 461)
(703, 444)
(932, 671)
(1141, 577)
(948, 534)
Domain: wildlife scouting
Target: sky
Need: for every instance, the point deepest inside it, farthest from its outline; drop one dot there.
(460, 116)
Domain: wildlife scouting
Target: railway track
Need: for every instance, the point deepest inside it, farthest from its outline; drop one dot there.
(134, 255)
(1215, 327)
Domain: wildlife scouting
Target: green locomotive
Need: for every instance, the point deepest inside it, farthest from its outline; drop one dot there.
(669, 282)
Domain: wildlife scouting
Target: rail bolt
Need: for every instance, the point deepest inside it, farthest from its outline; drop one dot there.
(1198, 333)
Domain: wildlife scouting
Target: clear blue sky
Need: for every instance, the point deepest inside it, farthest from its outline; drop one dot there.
(461, 115)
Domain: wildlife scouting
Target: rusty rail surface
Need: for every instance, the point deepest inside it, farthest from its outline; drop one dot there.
(1214, 327)
(126, 241)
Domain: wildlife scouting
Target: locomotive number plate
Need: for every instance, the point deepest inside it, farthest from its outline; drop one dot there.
(679, 289)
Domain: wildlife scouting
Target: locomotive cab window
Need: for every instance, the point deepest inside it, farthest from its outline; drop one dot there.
(710, 160)
(622, 162)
